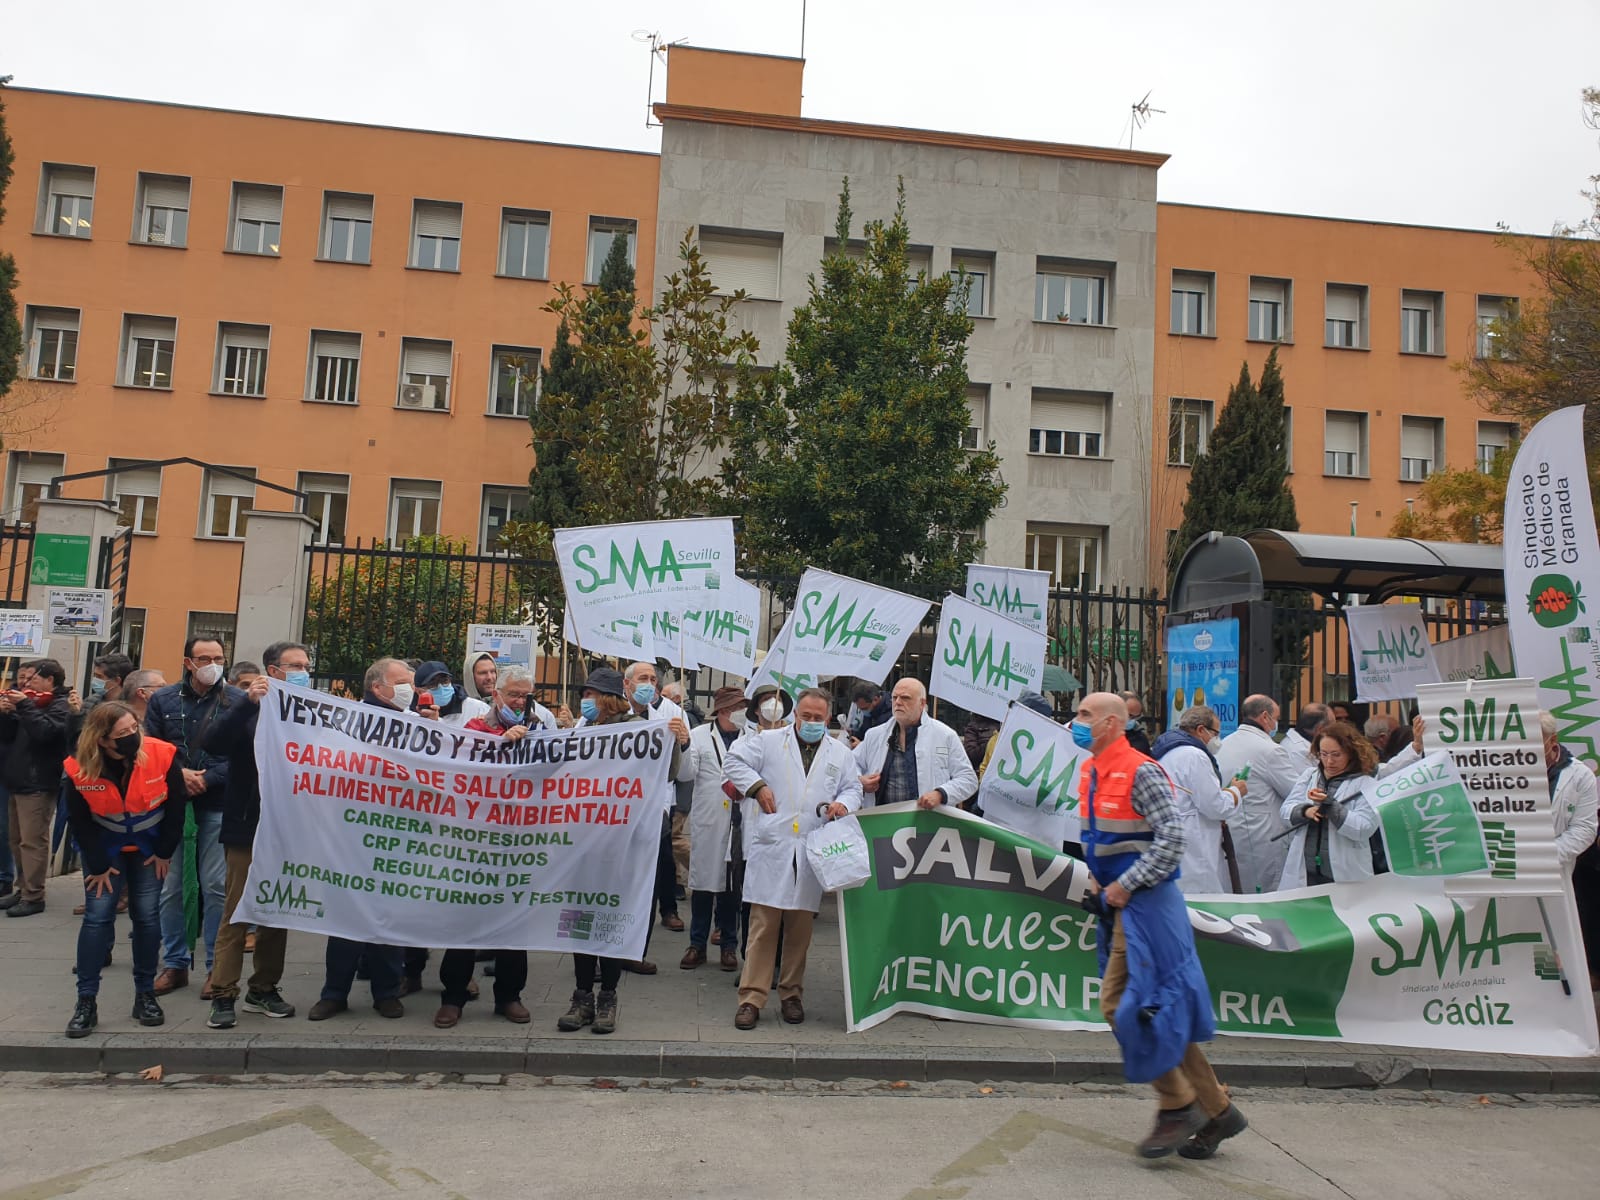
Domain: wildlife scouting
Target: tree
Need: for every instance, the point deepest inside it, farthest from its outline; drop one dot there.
(10, 327)
(1459, 504)
(849, 455)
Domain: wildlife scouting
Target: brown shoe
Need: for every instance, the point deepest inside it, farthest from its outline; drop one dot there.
(694, 956)
(746, 1017)
(205, 992)
(171, 980)
(730, 959)
(446, 1017)
(1173, 1127)
(716, 937)
(641, 966)
(673, 922)
(514, 1011)
(793, 1011)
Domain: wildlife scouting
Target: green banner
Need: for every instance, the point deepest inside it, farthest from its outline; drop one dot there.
(60, 560)
(1428, 822)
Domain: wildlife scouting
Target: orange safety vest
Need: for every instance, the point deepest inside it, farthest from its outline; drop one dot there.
(1115, 835)
(142, 809)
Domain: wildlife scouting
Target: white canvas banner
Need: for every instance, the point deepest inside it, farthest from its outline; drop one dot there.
(380, 826)
(630, 640)
(723, 636)
(842, 626)
(1390, 650)
(983, 661)
(1484, 655)
(1013, 592)
(774, 670)
(1031, 785)
(1551, 556)
(616, 572)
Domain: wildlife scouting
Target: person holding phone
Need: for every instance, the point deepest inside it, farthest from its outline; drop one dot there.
(1332, 819)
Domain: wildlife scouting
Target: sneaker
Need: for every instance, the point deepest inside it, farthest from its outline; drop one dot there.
(222, 1015)
(147, 1010)
(1229, 1123)
(605, 1012)
(27, 908)
(323, 1009)
(580, 1014)
(84, 1018)
(1173, 1127)
(268, 1004)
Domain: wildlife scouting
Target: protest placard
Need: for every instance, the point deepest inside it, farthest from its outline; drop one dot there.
(1389, 651)
(982, 661)
(1031, 784)
(1013, 592)
(843, 626)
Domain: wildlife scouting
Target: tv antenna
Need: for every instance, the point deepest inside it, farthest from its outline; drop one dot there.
(658, 49)
(1142, 112)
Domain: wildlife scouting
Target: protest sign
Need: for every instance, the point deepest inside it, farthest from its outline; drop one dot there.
(511, 645)
(380, 826)
(78, 613)
(722, 636)
(1551, 554)
(1428, 823)
(1031, 783)
(962, 919)
(842, 626)
(618, 572)
(1390, 651)
(630, 640)
(1482, 655)
(1013, 592)
(983, 661)
(1203, 668)
(21, 632)
(774, 670)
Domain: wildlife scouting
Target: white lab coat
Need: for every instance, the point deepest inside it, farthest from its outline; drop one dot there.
(1349, 845)
(1205, 805)
(1299, 750)
(1574, 802)
(1273, 771)
(777, 872)
(942, 760)
(711, 812)
(471, 710)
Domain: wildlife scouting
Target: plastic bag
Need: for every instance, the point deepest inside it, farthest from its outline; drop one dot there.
(837, 852)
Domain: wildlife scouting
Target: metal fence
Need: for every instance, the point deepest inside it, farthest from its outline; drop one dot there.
(16, 560)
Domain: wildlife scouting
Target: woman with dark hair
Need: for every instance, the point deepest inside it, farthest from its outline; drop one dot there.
(126, 802)
(1332, 819)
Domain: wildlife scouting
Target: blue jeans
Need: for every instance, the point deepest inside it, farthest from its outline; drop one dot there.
(8, 873)
(384, 967)
(726, 906)
(213, 870)
(99, 928)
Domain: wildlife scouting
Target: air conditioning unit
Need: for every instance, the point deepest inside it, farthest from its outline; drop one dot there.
(418, 395)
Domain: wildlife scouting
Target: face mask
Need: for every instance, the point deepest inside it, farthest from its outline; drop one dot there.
(127, 745)
(771, 711)
(812, 732)
(1211, 746)
(298, 678)
(1082, 735)
(1133, 723)
(208, 675)
(404, 694)
(444, 693)
(508, 717)
(590, 708)
(97, 687)
(644, 694)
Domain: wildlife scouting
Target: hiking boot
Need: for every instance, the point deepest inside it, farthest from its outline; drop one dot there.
(580, 1014)
(147, 1011)
(1228, 1123)
(1173, 1127)
(605, 1012)
(268, 1004)
(323, 1009)
(84, 1018)
(222, 1014)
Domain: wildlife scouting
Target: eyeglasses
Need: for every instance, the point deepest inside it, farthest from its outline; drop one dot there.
(1326, 754)
(206, 660)
(1215, 730)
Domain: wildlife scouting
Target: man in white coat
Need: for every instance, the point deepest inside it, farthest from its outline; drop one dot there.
(710, 830)
(1273, 770)
(1573, 797)
(1202, 799)
(793, 781)
(914, 756)
(1297, 741)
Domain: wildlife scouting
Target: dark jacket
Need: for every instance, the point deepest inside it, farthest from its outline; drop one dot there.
(39, 739)
(1139, 739)
(232, 737)
(93, 843)
(182, 716)
(876, 715)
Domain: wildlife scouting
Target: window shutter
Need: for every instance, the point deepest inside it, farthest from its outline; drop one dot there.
(1343, 433)
(1416, 439)
(150, 327)
(338, 345)
(251, 336)
(1074, 416)
(71, 183)
(227, 485)
(1494, 434)
(438, 220)
(258, 203)
(355, 208)
(1268, 289)
(743, 263)
(918, 260)
(143, 482)
(427, 358)
(55, 318)
(1344, 304)
(166, 193)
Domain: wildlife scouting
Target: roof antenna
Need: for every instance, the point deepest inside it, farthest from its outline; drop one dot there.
(658, 49)
(1142, 112)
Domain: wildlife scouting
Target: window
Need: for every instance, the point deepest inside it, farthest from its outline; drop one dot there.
(413, 509)
(979, 270)
(919, 261)
(52, 340)
(257, 218)
(136, 491)
(218, 626)
(524, 243)
(1421, 318)
(327, 501)
(975, 436)
(514, 381)
(224, 499)
(1494, 438)
(602, 232)
(335, 364)
(1421, 447)
(1344, 439)
(1071, 292)
(1067, 423)
(435, 235)
(424, 375)
(1191, 302)
(1070, 553)
(66, 201)
(1188, 428)
(147, 344)
(747, 262)
(241, 368)
(346, 227)
(161, 217)
(1490, 310)
(1269, 309)
(1346, 321)
(500, 504)
(134, 621)
(30, 473)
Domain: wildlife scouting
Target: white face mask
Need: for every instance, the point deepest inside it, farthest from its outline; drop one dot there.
(208, 675)
(404, 694)
(771, 710)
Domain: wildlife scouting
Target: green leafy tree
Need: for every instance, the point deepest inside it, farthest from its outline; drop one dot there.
(849, 455)
(10, 327)
(1459, 504)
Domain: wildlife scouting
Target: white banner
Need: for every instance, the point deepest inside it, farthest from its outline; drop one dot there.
(842, 626)
(1013, 592)
(774, 670)
(383, 827)
(723, 636)
(617, 572)
(629, 640)
(1031, 785)
(1390, 650)
(1485, 655)
(1551, 554)
(983, 661)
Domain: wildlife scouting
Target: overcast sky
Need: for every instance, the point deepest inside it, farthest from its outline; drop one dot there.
(1464, 113)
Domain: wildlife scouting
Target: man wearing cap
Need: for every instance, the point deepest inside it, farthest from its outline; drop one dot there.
(914, 756)
(710, 833)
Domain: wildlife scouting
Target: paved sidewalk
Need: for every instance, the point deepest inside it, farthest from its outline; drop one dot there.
(677, 1024)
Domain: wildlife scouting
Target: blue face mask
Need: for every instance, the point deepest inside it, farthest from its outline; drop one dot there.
(1133, 723)
(590, 708)
(97, 687)
(298, 678)
(508, 717)
(444, 693)
(1082, 735)
(644, 695)
(812, 732)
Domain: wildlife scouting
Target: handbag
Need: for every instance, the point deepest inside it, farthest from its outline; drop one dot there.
(837, 852)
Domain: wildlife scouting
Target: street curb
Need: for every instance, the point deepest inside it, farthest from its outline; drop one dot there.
(591, 1058)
